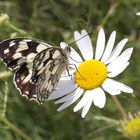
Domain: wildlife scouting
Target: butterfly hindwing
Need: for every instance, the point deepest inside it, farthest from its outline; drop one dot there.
(48, 66)
(23, 83)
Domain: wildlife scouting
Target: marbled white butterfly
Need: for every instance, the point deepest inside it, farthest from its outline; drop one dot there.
(37, 65)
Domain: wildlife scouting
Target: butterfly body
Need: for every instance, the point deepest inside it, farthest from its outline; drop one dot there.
(37, 65)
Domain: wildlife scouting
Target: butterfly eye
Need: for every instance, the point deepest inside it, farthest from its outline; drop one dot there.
(69, 48)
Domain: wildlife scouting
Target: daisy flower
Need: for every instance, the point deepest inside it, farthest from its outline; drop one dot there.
(94, 72)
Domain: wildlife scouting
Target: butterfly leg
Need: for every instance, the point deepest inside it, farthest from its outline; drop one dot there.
(77, 70)
(72, 68)
(42, 97)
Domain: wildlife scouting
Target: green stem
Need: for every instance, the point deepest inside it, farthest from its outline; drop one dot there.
(22, 32)
(5, 75)
(109, 120)
(5, 98)
(14, 128)
(119, 106)
(89, 14)
(110, 12)
(104, 128)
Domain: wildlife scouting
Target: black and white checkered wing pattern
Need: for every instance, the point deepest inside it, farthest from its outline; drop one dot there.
(15, 52)
(48, 66)
(18, 54)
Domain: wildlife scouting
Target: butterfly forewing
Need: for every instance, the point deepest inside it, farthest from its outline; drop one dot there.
(16, 51)
(18, 54)
(37, 65)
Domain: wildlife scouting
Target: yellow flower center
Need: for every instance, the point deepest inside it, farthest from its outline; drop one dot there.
(133, 127)
(90, 74)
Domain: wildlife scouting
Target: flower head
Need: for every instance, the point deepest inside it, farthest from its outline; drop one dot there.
(131, 125)
(94, 74)
(3, 18)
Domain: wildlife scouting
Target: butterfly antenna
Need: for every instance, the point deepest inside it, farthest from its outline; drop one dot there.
(80, 38)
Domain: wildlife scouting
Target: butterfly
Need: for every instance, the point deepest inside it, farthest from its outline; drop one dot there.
(37, 65)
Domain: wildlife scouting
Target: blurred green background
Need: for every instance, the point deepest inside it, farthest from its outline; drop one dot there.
(55, 21)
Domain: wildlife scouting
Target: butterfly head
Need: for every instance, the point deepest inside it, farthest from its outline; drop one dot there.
(68, 49)
(65, 47)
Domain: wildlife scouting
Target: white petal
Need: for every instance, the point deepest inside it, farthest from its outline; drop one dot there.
(84, 44)
(125, 56)
(116, 64)
(138, 13)
(65, 76)
(86, 108)
(100, 44)
(111, 90)
(75, 58)
(117, 50)
(64, 87)
(120, 60)
(99, 97)
(87, 96)
(67, 97)
(71, 101)
(117, 69)
(109, 46)
(113, 84)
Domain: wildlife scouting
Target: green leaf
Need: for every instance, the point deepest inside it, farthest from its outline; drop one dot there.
(3, 97)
